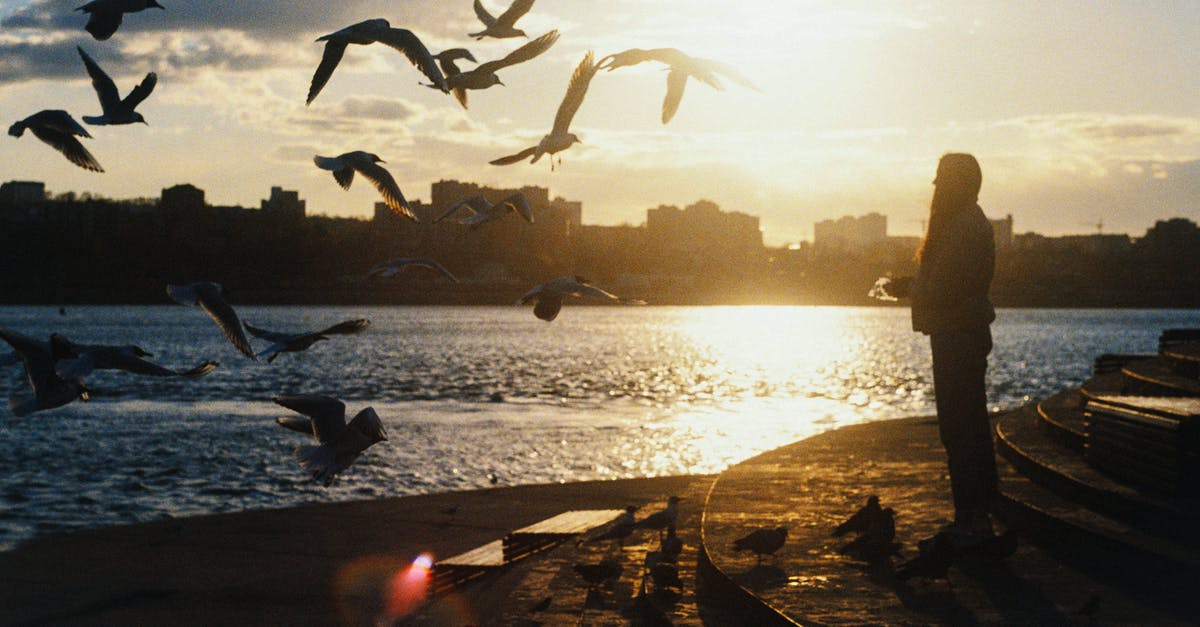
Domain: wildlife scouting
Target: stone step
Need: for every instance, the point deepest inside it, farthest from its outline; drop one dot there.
(1154, 377)
(1066, 472)
(1159, 567)
(1062, 418)
(1184, 359)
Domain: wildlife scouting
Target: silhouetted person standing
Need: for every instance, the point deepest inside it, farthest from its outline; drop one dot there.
(950, 304)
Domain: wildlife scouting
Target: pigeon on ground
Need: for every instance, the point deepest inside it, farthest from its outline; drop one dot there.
(58, 129)
(104, 16)
(296, 342)
(762, 541)
(596, 574)
(663, 518)
(339, 443)
(933, 561)
(207, 296)
(877, 542)
(860, 520)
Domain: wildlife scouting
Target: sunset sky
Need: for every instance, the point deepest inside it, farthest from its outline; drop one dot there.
(1080, 112)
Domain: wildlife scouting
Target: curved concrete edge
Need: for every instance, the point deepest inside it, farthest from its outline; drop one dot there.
(717, 585)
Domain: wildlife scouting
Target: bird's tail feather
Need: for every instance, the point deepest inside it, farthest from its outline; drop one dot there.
(200, 371)
(319, 461)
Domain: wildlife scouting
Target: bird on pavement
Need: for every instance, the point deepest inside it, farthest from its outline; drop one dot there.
(595, 574)
(501, 26)
(368, 32)
(933, 561)
(670, 545)
(682, 67)
(482, 211)
(548, 297)
(621, 528)
(346, 164)
(559, 138)
(877, 541)
(392, 267)
(297, 342)
(484, 75)
(338, 443)
(207, 296)
(762, 541)
(58, 129)
(114, 109)
(663, 518)
(861, 519)
(104, 16)
(49, 389)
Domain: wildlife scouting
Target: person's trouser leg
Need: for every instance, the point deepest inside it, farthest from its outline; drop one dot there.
(959, 368)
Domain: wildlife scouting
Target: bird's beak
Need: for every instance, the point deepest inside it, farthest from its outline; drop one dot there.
(500, 83)
(145, 122)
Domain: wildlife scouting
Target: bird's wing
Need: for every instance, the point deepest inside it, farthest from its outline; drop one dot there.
(103, 23)
(576, 90)
(431, 263)
(367, 422)
(106, 89)
(514, 12)
(587, 289)
(519, 203)
(329, 60)
(482, 13)
(676, 82)
(36, 356)
(521, 54)
(300, 424)
(513, 158)
(227, 319)
(732, 74)
(346, 327)
(470, 202)
(383, 181)
(70, 147)
(342, 173)
(141, 92)
(121, 360)
(328, 414)
(407, 42)
(270, 336)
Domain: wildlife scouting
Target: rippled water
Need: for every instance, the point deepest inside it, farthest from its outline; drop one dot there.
(468, 392)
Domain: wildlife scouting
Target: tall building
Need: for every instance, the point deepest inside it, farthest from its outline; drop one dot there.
(283, 204)
(22, 192)
(702, 225)
(848, 233)
(185, 201)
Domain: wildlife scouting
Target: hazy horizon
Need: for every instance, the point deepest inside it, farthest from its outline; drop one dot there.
(1079, 113)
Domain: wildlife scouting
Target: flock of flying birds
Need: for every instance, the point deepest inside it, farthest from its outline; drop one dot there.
(55, 369)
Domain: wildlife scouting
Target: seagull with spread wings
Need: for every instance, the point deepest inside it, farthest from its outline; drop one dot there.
(501, 26)
(346, 164)
(484, 75)
(58, 129)
(482, 211)
(296, 342)
(104, 16)
(49, 389)
(116, 110)
(548, 297)
(559, 138)
(368, 32)
(682, 67)
(207, 296)
(392, 267)
(83, 359)
(338, 443)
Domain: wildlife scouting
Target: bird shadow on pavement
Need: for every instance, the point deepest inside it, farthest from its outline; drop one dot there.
(761, 577)
(1017, 599)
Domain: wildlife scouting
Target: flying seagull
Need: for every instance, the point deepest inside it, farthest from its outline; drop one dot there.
(83, 359)
(207, 296)
(346, 164)
(368, 32)
(392, 267)
(483, 211)
(338, 443)
(559, 138)
(484, 75)
(296, 342)
(116, 110)
(49, 389)
(682, 67)
(58, 129)
(104, 16)
(502, 26)
(548, 296)
(764, 541)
